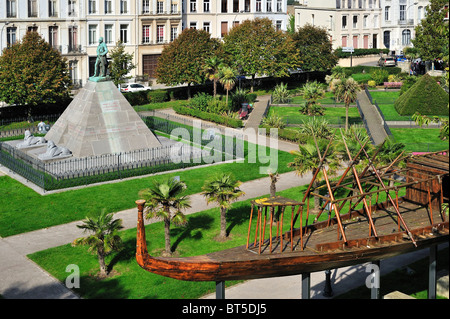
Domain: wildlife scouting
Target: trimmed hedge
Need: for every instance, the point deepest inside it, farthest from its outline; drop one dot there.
(234, 123)
(360, 52)
(425, 97)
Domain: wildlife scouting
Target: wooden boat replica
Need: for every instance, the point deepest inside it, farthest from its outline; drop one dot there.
(283, 242)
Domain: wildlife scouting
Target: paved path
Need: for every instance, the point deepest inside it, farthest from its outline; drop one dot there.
(22, 278)
(372, 118)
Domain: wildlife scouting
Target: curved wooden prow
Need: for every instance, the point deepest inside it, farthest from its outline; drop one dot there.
(141, 243)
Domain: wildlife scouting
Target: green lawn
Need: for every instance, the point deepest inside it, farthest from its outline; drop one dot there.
(23, 210)
(328, 99)
(334, 115)
(419, 139)
(130, 281)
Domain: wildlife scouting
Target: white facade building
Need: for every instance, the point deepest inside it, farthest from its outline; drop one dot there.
(364, 23)
(144, 26)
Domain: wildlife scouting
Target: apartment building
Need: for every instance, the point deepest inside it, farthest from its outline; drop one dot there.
(60, 23)
(398, 21)
(144, 26)
(364, 23)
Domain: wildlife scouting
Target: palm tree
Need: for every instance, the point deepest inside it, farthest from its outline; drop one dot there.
(212, 66)
(312, 91)
(227, 77)
(104, 239)
(165, 200)
(346, 90)
(307, 159)
(222, 189)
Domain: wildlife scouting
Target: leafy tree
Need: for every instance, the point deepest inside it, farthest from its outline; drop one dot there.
(346, 90)
(222, 189)
(165, 200)
(432, 33)
(183, 60)
(33, 73)
(121, 63)
(256, 47)
(315, 48)
(105, 238)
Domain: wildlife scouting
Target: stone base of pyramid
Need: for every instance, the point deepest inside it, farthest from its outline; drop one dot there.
(101, 121)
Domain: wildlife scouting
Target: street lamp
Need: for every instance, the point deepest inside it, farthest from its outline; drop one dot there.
(1, 36)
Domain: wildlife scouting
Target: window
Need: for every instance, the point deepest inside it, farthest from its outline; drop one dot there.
(124, 33)
(344, 41)
(174, 8)
(92, 34)
(109, 39)
(344, 22)
(11, 35)
(224, 6)
(269, 6)
(206, 6)
(173, 32)
(235, 5)
(52, 11)
(73, 38)
(146, 34)
(145, 6)
(386, 13)
(419, 13)
(72, 8)
(402, 12)
(11, 9)
(108, 6)
(355, 22)
(279, 25)
(207, 26)
(193, 25)
(92, 6)
(32, 9)
(160, 34)
(73, 68)
(160, 7)
(53, 36)
(123, 6)
(193, 5)
(387, 39)
(406, 37)
(224, 28)
(258, 6)
(365, 21)
(247, 6)
(279, 6)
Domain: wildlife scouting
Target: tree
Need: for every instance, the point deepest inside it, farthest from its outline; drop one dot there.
(165, 200)
(222, 189)
(105, 238)
(346, 90)
(256, 47)
(307, 159)
(121, 63)
(33, 73)
(432, 33)
(183, 60)
(312, 91)
(212, 70)
(315, 48)
(227, 77)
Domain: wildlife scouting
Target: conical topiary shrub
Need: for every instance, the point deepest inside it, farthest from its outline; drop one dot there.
(425, 97)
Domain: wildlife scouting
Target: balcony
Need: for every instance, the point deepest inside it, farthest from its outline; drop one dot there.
(406, 22)
(74, 49)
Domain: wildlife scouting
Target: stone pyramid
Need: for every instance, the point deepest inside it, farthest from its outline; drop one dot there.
(99, 121)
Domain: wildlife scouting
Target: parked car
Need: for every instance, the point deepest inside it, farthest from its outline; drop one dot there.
(133, 87)
(387, 61)
(401, 58)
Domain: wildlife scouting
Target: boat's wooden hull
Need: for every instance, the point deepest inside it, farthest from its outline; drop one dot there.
(204, 268)
(241, 263)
